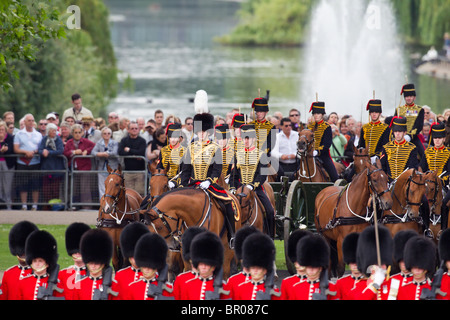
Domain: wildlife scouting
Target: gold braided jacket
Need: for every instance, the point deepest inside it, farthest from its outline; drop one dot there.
(410, 113)
(247, 161)
(227, 158)
(372, 134)
(318, 133)
(398, 155)
(202, 156)
(263, 130)
(171, 159)
(437, 158)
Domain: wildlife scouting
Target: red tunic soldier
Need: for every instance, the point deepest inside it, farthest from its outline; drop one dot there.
(128, 239)
(404, 276)
(42, 255)
(190, 271)
(347, 283)
(419, 256)
(235, 280)
(374, 286)
(150, 257)
(288, 283)
(258, 256)
(206, 252)
(96, 247)
(17, 237)
(70, 277)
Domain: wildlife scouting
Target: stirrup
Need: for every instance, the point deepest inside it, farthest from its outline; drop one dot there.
(428, 233)
(231, 243)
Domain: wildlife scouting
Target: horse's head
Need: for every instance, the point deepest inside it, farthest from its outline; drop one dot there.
(433, 192)
(379, 184)
(413, 190)
(360, 158)
(114, 189)
(158, 183)
(167, 226)
(305, 143)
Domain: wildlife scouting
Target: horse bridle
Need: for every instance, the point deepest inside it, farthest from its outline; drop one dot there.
(156, 175)
(115, 198)
(241, 196)
(378, 195)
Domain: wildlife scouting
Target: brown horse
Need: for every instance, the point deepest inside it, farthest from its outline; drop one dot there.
(435, 197)
(360, 157)
(119, 206)
(407, 193)
(340, 211)
(184, 208)
(310, 170)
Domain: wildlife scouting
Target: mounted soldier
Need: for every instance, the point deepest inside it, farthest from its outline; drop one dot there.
(414, 115)
(249, 172)
(322, 139)
(222, 138)
(171, 155)
(202, 167)
(263, 126)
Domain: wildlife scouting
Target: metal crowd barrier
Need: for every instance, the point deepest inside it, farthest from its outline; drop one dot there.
(57, 189)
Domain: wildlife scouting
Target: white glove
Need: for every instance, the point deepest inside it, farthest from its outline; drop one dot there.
(379, 277)
(205, 184)
(227, 180)
(315, 153)
(171, 185)
(250, 187)
(407, 137)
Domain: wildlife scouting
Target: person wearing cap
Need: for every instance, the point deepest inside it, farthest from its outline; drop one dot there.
(11, 277)
(444, 258)
(202, 167)
(171, 155)
(54, 119)
(288, 284)
(42, 255)
(150, 257)
(404, 276)
(313, 253)
(348, 282)
(235, 280)
(399, 154)
(375, 134)
(77, 111)
(96, 248)
(258, 256)
(222, 138)
(374, 286)
(249, 172)
(190, 270)
(206, 252)
(263, 126)
(414, 115)
(129, 236)
(323, 137)
(419, 257)
(437, 158)
(70, 277)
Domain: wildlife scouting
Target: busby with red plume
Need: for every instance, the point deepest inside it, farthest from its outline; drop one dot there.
(317, 107)
(260, 105)
(374, 106)
(408, 90)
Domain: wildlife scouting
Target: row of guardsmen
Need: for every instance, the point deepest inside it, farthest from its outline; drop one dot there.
(37, 275)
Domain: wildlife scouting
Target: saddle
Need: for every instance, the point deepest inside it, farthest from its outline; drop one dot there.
(220, 202)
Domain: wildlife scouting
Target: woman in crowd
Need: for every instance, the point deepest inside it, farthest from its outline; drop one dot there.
(105, 151)
(6, 164)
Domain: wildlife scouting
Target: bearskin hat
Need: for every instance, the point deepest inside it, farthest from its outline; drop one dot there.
(313, 251)
(41, 244)
(18, 236)
(420, 252)
(129, 236)
(73, 235)
(366, 252)
(292, 243)
(186, 240)
(400, 240)
(151, 251)
(444, 245)
(207, 248)
(349, 247)
(240, 237)
(258, 250)
(96, 246)
(201, 102)
(206, 120)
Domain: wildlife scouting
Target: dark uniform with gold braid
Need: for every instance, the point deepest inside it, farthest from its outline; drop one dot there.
(202, 163)
(170, 156)
(374, 135)
(322, 140)
(263, 128)
(248, 173)
(414, 115)
(438, 159)
(223, 132)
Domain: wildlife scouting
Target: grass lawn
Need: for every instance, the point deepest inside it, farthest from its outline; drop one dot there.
(58, 231)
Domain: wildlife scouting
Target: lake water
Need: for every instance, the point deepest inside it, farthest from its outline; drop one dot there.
(167, 48)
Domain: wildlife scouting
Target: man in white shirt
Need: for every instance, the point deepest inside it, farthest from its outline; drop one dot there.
(285, 149)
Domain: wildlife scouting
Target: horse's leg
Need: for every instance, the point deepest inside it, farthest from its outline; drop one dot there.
(340, 268)
(228, 256)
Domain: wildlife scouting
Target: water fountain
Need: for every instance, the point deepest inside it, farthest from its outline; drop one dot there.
(352, 50)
